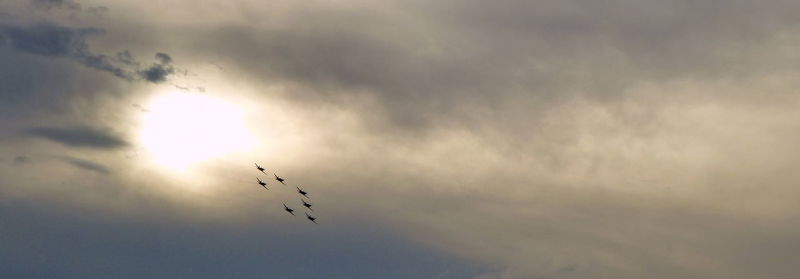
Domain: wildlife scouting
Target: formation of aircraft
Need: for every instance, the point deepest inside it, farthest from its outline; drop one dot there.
(299, 190)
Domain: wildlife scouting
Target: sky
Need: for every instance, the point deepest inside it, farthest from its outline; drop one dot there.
(505, 139)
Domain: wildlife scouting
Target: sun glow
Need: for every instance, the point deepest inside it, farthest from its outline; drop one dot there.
(182, 129)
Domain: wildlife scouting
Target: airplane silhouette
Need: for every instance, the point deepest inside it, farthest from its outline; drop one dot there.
(288, 209)
(302, 192)
(260, 168)
(279, 179)
(262, 183)
(311, 218)
(308, 205)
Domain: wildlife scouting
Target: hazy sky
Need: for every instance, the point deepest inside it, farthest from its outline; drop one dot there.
(438, 139)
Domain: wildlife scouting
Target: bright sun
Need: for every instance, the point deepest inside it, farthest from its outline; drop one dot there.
(181, 129)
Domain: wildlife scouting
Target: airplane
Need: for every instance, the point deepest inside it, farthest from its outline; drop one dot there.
(260, 168)
(288, 209)
(302, 192)
(279, 179)
(311, 218)
(308, 205)
(262, 183)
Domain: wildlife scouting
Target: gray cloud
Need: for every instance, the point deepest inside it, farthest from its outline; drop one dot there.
(98, 10)
(71, 6)
(163, 58)
(48, 39)
(79, 136)
(57, 4)
(158, 72)
(600, 108)
(21, 159)
(39, 239)
(87, 165)
(544, 139)
(459, 57)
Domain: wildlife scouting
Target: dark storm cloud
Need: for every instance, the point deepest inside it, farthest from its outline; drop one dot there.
(87, 165)
(48, 39)
(79, 136)
(156, 73)
(159, 71)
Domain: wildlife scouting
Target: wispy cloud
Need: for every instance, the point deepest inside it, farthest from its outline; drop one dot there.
(49, 39)
(21, 159)
(79, 136)
(87, 165)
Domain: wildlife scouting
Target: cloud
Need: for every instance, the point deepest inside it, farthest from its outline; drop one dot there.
(458, 57)
(87, 165)
(44, 241)
(98, 10)
(549, 125)
(48, 39)
(546, 139)
(79, 136)
(21, 160)
(163, 58)
(159, 71)
(69, 6)
(60, 4)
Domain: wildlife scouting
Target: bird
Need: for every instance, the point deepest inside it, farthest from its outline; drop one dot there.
(291, 211)
(311, 218)
(304, 193)
(308, 205)
(260, 169)
(279, 179)
(262, 183)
